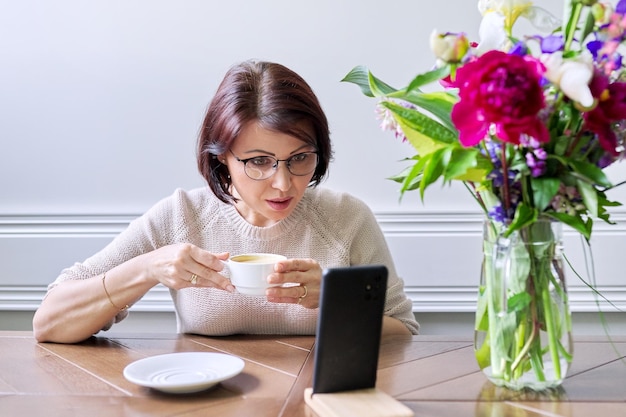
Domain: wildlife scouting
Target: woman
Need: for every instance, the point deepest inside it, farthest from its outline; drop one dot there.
(263, 148)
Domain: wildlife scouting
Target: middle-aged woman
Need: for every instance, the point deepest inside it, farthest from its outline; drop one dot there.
(263, 148)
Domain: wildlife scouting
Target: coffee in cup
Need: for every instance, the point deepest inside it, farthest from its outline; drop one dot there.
(249, 272)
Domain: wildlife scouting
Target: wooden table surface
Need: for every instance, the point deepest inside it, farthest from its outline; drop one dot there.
(434, 376)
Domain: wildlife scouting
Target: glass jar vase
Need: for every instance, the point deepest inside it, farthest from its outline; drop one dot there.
(522, 335)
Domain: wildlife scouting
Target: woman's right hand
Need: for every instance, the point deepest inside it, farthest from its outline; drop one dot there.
(185, 265)
(76, 309)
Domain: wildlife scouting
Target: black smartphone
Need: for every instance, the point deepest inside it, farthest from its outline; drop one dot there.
(349, 326)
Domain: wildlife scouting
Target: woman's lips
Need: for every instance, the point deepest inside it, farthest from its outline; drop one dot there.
(279, 204)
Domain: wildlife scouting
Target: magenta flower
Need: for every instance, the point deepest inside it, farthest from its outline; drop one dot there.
(611, 108)
(500, 90)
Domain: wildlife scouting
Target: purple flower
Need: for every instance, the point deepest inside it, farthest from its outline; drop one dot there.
(552, 43)
(497, 214)
(494, 149)
(535, 157)
(537, 166)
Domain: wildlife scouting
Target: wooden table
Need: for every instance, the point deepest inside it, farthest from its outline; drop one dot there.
(434, 376)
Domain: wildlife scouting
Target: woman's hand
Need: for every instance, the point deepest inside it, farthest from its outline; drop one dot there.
(305, 272)
(185, 265)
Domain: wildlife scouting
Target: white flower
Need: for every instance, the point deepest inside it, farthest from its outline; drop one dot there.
(491, 32)
(449, 47)
(571, 75)
(499, 16)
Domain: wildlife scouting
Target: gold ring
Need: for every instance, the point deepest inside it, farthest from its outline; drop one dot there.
(194, 279)
(303, 295)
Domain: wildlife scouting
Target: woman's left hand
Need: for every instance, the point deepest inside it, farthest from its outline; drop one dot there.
(305, 272)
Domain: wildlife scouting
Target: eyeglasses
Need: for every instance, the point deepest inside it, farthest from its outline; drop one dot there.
(262, 167)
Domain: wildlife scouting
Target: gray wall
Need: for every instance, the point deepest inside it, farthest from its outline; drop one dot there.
(100, 104)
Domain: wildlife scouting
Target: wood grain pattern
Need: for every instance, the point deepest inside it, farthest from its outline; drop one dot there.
(434, 376)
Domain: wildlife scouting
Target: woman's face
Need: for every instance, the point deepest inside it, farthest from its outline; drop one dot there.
(265, 202)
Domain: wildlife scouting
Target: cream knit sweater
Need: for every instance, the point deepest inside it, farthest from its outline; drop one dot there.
(333, 228)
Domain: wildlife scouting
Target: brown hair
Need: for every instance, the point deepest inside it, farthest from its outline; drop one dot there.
(276, 97)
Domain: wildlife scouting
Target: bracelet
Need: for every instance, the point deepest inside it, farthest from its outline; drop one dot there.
(109, 295)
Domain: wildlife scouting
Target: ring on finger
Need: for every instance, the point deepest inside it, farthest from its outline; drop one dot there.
(194, 279)
(306, 292)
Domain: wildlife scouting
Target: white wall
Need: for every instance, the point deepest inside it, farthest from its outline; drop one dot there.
(100, 103)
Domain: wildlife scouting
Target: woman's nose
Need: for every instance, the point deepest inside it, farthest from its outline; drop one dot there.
(281, 179)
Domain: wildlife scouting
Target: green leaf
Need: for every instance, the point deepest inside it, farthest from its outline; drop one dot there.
(428, 78)
(477, 173)
(378, 87)
(575, 222)
(519, 302)
(432, 169)
(461, 160)
(369, 85)
(416, 172)
(589, 195)
(544, 190)
(424, 133)
(524, 216)
(588, 26)
(439, 103)
(591, 172)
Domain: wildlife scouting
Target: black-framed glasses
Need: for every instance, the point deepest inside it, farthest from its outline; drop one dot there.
(262, 167)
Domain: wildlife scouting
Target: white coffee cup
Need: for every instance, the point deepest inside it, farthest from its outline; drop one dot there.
(249, 272)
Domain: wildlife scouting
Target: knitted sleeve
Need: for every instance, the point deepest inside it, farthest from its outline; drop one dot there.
(153, 229)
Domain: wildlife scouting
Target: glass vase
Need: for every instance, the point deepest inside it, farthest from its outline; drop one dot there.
(522, 335)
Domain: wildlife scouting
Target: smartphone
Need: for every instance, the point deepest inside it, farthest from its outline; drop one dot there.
(349, 327)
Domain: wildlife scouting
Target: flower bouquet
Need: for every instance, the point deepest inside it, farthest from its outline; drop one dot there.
(528, 125)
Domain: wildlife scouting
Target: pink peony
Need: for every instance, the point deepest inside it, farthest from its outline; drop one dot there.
(501, 90)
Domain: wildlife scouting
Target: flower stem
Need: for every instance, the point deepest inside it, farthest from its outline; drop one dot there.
(571, 30)
(551, 330)
(522, 352)
(505, 181)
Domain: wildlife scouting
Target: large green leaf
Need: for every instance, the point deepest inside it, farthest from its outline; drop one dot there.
(544, 190)
(575, 222)
(438, 103)
(369, 85)
(424, 133)
(423, 144)
(461, 160)
(591, 172)
(478, 173)
(589, 195)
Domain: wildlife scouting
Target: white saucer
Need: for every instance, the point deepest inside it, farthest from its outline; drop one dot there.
(183, 372)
